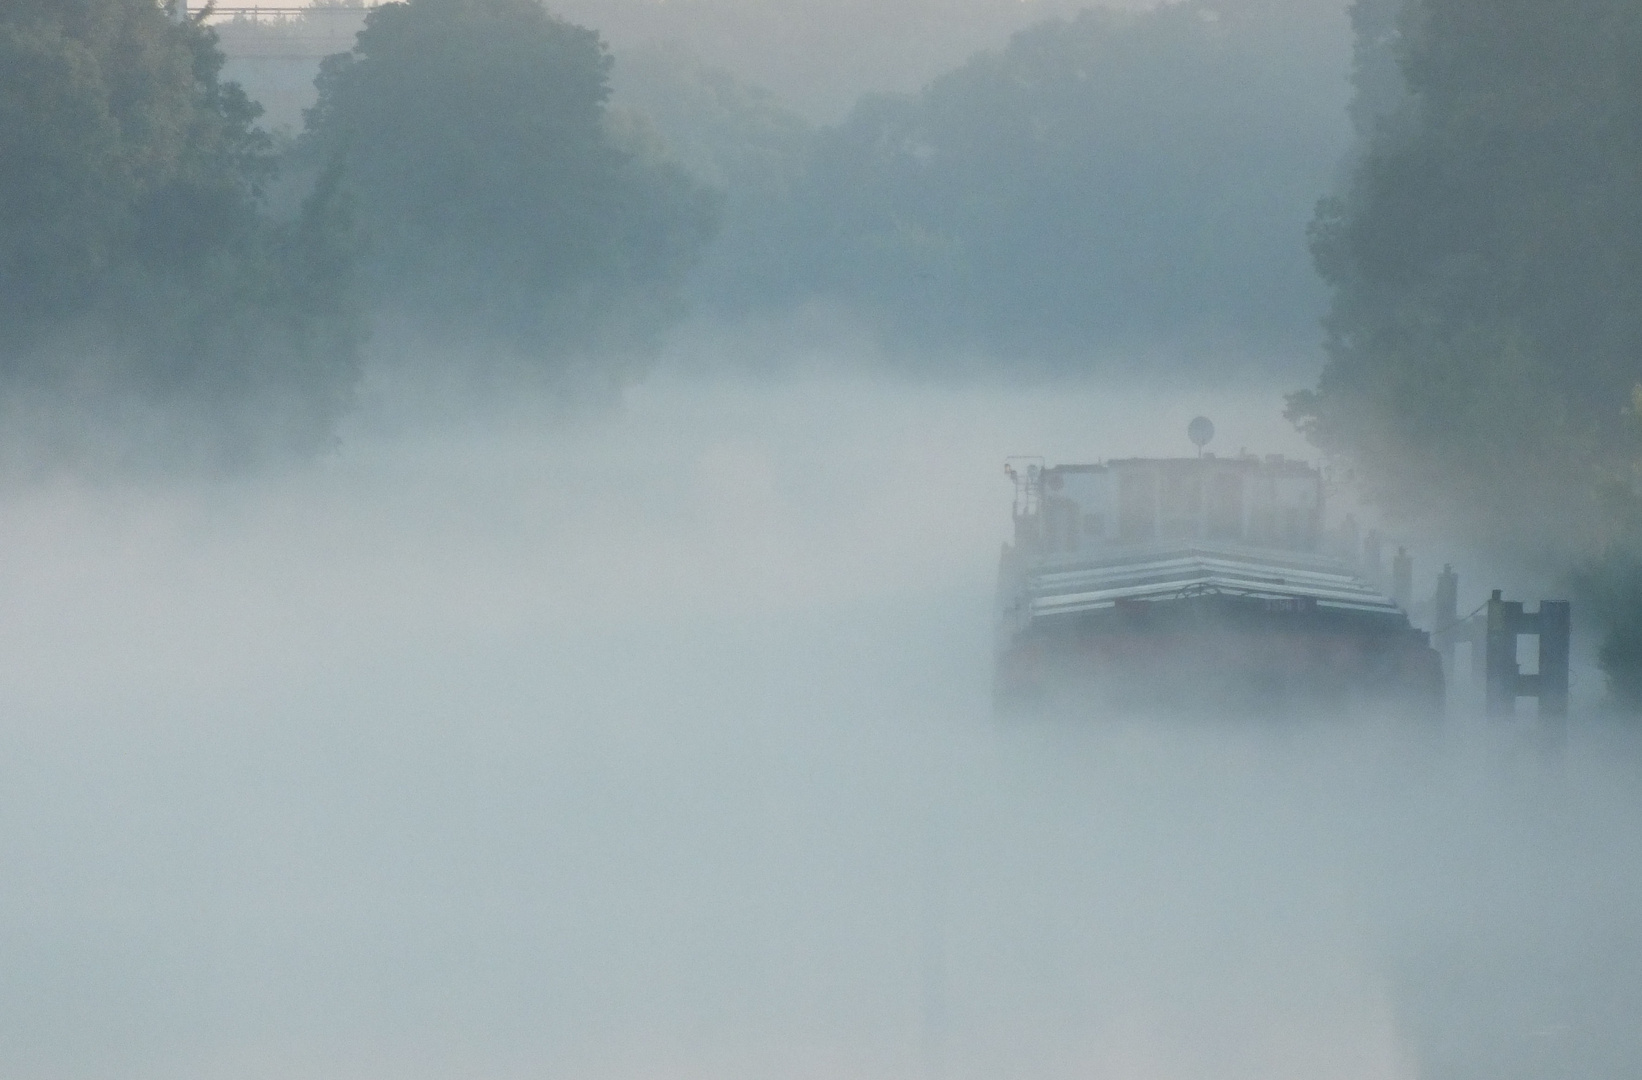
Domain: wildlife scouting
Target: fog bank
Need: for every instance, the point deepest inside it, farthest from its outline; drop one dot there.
(659, 745)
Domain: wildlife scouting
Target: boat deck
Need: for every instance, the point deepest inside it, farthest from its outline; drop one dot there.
(1067, 584)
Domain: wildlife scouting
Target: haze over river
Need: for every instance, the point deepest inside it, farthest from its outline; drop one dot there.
(659, 745)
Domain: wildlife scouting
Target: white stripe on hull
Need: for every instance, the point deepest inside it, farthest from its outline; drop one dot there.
(1157, 572)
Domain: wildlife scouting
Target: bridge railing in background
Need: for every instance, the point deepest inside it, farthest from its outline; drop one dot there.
(284, 32)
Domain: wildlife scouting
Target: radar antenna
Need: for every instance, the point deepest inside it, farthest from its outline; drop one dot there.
(1200, 431)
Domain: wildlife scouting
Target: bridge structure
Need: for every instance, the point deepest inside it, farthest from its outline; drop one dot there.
(280, 32)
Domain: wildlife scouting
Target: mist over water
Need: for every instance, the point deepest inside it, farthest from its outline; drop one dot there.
(659, 744)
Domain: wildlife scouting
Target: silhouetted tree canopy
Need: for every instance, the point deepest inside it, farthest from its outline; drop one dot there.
(134, 256)
(1116, 185)
(1486, 259)
(498, 203)
(1485, 262)
(749, 146)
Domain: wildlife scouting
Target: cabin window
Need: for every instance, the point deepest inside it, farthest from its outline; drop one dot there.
(1225, 510)
(1263, 524)
(1137, 506)
(1060, 524)
(1181, 503)
(1292, 527)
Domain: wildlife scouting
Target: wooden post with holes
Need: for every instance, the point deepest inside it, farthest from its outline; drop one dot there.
(1555, 635)
(1505, 683)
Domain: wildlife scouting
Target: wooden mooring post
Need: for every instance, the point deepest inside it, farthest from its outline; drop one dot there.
(1445, 614)
(1402, 578)
(1505, 683)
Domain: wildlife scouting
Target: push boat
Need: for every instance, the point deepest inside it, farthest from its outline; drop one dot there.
(1202, 581)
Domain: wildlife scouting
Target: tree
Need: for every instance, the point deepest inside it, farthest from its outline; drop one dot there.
(742, 141)
(1485, 263)
(1486, 260)
(1116, 185)
(498, 204)
(135, 257)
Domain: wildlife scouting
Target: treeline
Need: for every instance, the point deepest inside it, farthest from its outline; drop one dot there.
(159, 253)
(1106, 189)
(135, 258)
(1109, 185)
(1118, 188)
(1485, 261)
(505, 212)
(816, 56)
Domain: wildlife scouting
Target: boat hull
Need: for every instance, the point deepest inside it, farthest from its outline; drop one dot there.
(1217, 631)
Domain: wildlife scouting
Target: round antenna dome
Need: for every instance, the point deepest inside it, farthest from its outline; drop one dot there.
(1200, 431)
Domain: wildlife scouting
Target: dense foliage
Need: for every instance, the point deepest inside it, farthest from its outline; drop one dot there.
(134, 255)
(500, 207)
(1486, 266)
(744, 142)
(1115, 185)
